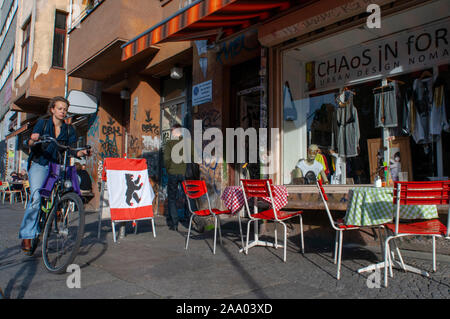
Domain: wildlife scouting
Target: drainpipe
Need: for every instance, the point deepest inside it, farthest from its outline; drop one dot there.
(66, 54)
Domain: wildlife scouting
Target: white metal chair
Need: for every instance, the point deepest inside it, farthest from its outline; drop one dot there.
(263, 188)
(195, 189)
(417, 193)
(26, 189)
(338, 226)
(11, 192)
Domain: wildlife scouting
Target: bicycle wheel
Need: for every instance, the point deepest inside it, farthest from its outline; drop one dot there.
(63, 233)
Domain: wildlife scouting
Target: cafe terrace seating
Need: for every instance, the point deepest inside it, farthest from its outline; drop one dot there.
(263, 188)
(6, 190)
(339, 226)
(195, 189)
(418, 193)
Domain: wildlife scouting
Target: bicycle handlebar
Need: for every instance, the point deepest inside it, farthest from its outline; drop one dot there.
(48, 139)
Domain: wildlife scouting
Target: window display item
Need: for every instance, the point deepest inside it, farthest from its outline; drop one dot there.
(438, 118)
(309, 169)
(377, 181)
(339, 167)
(385, 102)
(322, 160)
(395, 166)
(290, 112)
(345, 136)
(409, 113)
(423, 99)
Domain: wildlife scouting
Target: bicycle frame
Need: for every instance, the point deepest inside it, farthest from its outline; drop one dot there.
(58, 189)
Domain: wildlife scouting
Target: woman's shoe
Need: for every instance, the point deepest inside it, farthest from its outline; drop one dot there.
(29, 246)
(34, 244)
(26, 245)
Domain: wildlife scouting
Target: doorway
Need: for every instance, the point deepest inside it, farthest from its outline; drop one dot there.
(245, 112)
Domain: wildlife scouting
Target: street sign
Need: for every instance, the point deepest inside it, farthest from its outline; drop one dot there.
(202, 93)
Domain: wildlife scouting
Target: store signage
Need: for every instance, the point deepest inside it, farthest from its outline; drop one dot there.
(202, 93)
(406, 51)
(312, 18)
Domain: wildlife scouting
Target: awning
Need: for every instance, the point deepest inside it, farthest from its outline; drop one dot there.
(20, 130)
(26, 125)
(206, 19)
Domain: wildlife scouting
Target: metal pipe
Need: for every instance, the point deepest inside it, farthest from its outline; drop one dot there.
(66, 53)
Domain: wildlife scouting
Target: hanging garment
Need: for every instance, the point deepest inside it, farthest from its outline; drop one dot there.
(409, 113)
(438, 116)
(338, 166)
(322, 160)
(290, 112)
(345, 136)
(385, 106)
(423, 99)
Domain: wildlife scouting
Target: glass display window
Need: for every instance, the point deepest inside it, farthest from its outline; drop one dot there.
(358, 103)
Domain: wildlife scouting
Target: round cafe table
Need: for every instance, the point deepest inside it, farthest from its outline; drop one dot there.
(233, 197)
(369, 206)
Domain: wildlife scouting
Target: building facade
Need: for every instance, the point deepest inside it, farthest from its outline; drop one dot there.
(296, 73)
(286, 68)
(8, 16)
(138, 101)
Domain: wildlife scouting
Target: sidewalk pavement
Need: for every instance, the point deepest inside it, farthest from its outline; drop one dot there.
(140, 266)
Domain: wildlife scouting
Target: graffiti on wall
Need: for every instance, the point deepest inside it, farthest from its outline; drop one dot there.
(93, 124)
(149, 127)
(111, 131)
(232, 49)
(209, 117)
(133, 146)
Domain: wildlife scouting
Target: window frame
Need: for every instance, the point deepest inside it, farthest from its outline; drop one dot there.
(61, 32)
(25, 46)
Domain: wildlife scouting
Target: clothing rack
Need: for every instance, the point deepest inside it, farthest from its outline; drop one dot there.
(339, 102)
(383, 89)
(388, 85)
(425, 75)
(346, 89)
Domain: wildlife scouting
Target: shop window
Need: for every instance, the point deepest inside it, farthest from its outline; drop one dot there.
(59, 39)
(380, 101)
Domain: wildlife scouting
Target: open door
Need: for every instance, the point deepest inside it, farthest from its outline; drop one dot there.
(245, 107)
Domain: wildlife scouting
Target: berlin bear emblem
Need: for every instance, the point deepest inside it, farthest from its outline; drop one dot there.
(132, 187)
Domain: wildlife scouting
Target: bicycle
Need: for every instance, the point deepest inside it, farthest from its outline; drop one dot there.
(61, 216)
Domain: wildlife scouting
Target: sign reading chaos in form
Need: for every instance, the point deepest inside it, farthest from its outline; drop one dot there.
(406, 51)
(202, 93)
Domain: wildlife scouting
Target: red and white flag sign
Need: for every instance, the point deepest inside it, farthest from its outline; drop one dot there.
(129, 189)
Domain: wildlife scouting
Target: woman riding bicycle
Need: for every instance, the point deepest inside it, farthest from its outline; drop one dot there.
(38, 165)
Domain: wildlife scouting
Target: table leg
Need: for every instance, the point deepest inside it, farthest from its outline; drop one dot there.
(397, 265)
(394, 263)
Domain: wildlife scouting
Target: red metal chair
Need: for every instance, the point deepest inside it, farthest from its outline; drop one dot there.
(339, 226)
(418, 193)
(195, 189)
(263, 188)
